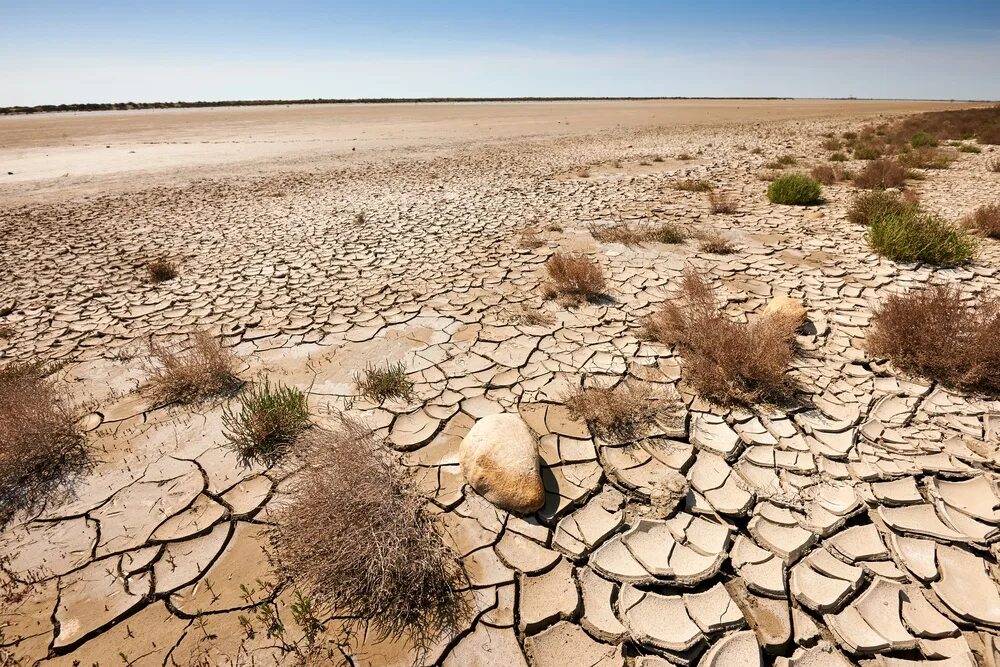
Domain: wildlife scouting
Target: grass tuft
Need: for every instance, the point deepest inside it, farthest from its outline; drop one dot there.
(794, 189)
(267, 421)
(380, 384)
(838, 157)
(915, 236)
(933, 333)
(189, 374)
(727, 362)
(877, 204)
(41, 447)
(357, 536)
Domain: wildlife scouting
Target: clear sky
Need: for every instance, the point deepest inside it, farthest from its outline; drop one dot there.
(163, 50)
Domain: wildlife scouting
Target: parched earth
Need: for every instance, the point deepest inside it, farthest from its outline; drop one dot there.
(859, 528)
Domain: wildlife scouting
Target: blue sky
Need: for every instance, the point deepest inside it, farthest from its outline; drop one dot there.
(97, 51)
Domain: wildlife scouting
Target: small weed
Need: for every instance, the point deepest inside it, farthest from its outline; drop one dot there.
(267, 421)
(380, 384)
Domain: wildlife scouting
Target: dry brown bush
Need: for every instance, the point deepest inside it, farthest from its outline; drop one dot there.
(993, 164)
(693, 185)
(531, 316)
(716, 243)
(727, 362)
(721, 202)
(187, 374)
(573, 279)
(927, 158)
(161, 270)
(932, 332)
(41, 447)
(530, 239)
(620, 232)
(356, 536)
(624, 411)
(985, 220)
(881, 174)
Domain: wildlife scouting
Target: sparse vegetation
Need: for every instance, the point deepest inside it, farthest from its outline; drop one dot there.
(532, 317)
(934, 333)
(721, 202)
(838, 157)
(867, 152)
(41, 447)
(685, 156)
(985, 220)
(915, 236)
(726, 361)
(877, 204)
(927, 158)
(530, 239)
(620, 232)
(993, 164)
(881, 174)
(832, 144)
(693, 185)
(624, 411)
(923, 140)
(716, 243)
(828, 175)
(794, 189)
(161, 270)
(196, 372)
(356, 537)
(782, 162)
(379, 384)
(266, 422)
(573, 279)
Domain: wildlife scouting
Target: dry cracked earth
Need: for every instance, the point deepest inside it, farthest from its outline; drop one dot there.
(858, 528)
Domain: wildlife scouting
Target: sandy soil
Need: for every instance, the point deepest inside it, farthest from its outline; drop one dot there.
(858, 526)
(55, 155)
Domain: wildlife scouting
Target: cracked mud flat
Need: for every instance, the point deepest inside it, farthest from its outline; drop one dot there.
(859, 529)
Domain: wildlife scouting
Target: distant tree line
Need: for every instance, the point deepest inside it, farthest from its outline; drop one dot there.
(126, 106)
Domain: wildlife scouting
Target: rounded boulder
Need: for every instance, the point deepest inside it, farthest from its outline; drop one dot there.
(499, 458)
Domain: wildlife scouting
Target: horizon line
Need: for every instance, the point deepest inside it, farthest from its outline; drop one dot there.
(136, 106)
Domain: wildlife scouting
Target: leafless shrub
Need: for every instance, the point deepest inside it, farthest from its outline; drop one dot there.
(624, 411)
(726, 361)
(782, 162)
(832, 144)
(573, 279)
(553, 227)
(359, 219)
(985, 220)
(685, 156)
(721, 202)
(356, 537)
(6, 331)
(716, 243)
(532, 317)
(41, 446)
(932, 332)
(188, 374)
(583, 172)
(993, 164)
(161, 270)
(827, 175)
(881, 174)
(768, 175)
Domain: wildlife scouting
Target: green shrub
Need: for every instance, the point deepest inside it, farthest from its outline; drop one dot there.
(877, 204)
(923, 140)
(796, 189)
(693, 185)
(927, 158)
(379, 384)
(268, 421)
(914, 236)
(867, 152)
(838, 157)
(969, 148)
